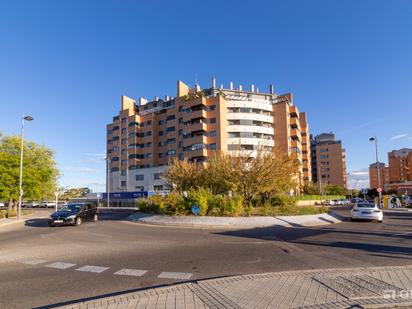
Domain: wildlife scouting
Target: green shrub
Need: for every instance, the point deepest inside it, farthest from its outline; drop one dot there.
(200, 196)
(232, 205)
(175, 204)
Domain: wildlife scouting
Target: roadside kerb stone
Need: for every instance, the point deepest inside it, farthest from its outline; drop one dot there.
(237, 222)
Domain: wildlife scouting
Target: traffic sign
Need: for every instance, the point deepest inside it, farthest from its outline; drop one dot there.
(195, 209)
(379, 190)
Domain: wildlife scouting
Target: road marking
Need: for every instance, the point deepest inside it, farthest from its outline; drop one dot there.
(172, 275)
(60, 265)
(131, 272)
(32, 262)
(93, 269)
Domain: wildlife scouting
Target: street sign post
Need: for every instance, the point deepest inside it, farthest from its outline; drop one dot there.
(98, 197)
(379, 190)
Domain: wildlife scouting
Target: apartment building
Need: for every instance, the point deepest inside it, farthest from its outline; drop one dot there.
(328, 160)
(373, 175)
(147, 134)
(400, 165)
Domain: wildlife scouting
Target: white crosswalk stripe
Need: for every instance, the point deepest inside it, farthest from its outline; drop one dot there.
(32, 261)
(175, 275)
(93, 269)
(60, 265)
(131, 272)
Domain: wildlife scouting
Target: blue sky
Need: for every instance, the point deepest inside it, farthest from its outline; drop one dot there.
(348, 64)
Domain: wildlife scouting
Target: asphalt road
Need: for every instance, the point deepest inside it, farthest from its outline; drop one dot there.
(117, 244)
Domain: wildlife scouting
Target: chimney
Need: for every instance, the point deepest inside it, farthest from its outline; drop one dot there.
(271, 89)
(142, 101)
(231, 85)
(257, 90)
(239, 88)
(156, 98)
(213, 82)
(252, 88)
(221, 86)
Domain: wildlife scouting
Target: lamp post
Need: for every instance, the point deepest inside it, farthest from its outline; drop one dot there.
(375, 139)
(27, 118)
(56, 194)
(108, 180)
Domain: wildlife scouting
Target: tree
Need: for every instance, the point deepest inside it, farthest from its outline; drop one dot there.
(311, 188)
(39, 170)
(335, 190)
(267, 174)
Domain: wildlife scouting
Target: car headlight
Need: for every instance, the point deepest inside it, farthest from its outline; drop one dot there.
(71, 217)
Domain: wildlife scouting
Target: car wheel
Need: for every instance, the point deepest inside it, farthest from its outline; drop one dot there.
(78, 221)
(51, 224)
(95, 218)
(380, 221)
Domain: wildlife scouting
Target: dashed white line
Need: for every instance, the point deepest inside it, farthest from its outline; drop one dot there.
(175, 275)
(32, 262)
(131, 272)
(93, 269)
(60, 265)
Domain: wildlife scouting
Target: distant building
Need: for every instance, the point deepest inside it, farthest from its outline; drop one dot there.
(373, 176)
(400, 165)
(328, 160)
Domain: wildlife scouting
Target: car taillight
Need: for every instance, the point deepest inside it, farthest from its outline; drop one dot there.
(355, 210)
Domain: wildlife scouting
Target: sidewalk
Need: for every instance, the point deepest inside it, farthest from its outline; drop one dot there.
(8, 221)
(237, 222)
(377, 287)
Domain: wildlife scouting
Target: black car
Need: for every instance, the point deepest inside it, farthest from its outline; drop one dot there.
(74, 213)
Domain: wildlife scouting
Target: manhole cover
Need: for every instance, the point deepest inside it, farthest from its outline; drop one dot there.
(356, 286)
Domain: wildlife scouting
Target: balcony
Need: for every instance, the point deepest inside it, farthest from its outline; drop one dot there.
(197, 153)
(198, 126)
(197, 114)
(197, 139)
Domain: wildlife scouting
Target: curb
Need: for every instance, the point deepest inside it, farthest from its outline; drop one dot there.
(254, 222)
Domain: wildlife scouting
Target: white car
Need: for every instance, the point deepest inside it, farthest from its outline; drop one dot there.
(367, 211)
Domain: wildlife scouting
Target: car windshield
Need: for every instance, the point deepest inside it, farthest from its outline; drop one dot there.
(365, 205)
(71, 207)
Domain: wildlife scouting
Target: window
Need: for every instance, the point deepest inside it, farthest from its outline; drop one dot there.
(123, 131)
(158, 187)
(115, 148)
(180, 132)
(181, 156)
(212, 146)
(161, 155)
(324, 156)
(170, 117)
(124, 162)
(212, 107)
(115, 138)
(109, 142)
(109, 132)
(170, 141)
(170, 129)
(123, 183)
(148, 123)
(160, 133)
(161, 122)
(115, 128)
(114, 169)
(149, 133)
(123, 120)
(156, 176)
(149, 144)
(212, 120)
(123, 141)
(148, 155)
(115, 159)
(123, 173)
(140, 177)
(212, 133)
(181, 144)
(132, 167)
(140, 188)
(133, 156)
(324, 150)
(123, 151)
(171, 152)
(133, 124)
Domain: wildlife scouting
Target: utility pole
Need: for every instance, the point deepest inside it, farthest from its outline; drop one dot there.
(375, 139)
(27, 118)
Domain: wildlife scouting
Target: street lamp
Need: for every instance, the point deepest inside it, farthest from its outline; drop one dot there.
(56, 194)
(108, 180)
(27, 118)
(375, 139)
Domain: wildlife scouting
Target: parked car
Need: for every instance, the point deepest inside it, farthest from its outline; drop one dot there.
(366, 211)
(50, 204)
(2, 204)
(74, 213)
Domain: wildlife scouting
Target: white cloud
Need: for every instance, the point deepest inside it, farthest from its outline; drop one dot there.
(399, 136)
(358, 179)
